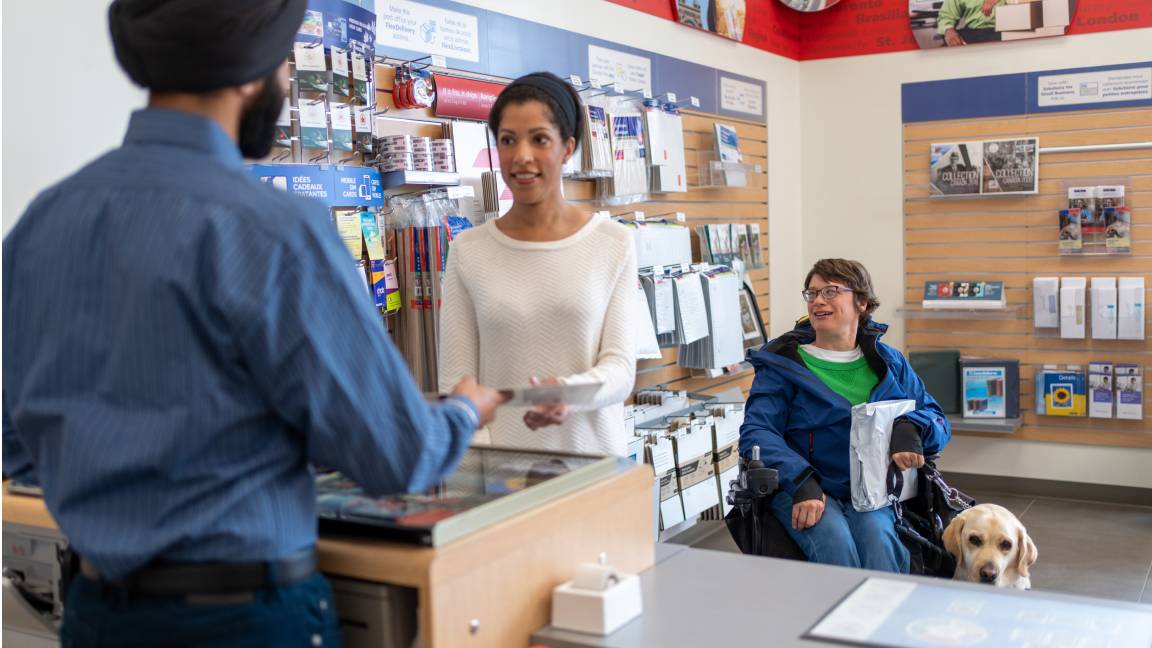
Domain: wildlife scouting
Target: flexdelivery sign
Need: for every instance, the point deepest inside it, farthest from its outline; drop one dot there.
(465, 98)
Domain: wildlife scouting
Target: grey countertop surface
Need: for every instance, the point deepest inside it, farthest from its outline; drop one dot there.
(697, 598)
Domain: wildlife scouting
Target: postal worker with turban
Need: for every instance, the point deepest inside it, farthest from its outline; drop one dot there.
(182, 342)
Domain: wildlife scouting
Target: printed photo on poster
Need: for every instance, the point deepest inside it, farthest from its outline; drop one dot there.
(751, 324)
(1010, 166)
(956, 23)
(955, 169)
(722, 17)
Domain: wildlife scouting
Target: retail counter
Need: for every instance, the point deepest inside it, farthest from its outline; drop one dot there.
(493, 588)
(698, 597)
(490, 588)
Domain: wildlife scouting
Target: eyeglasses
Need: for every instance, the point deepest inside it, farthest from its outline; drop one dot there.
(827, 292)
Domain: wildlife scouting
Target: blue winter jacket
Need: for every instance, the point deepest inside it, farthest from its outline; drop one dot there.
(802, 426)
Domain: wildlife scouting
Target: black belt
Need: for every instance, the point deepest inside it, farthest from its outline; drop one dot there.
(179, 578)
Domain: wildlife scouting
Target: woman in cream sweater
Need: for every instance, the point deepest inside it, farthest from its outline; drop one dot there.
(545, 293)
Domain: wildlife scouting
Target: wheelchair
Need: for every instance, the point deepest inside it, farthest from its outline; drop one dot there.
(920, 519)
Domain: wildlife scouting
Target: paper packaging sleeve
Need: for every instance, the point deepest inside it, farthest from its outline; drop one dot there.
(1072, 307)
(1129, 392)
(1043, 32)
(1103, 308)
(1100, 394)
(1046, 302)
(1130, 308)
(1019, 17)
(1056, 13)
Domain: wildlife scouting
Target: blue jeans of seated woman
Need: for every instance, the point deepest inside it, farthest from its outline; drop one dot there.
(846, 537)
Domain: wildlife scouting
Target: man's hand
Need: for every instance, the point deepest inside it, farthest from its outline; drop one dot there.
(988, 6)
(807, 513)
(545, 415)
(484, 398)
(952, 38)
(906, 460)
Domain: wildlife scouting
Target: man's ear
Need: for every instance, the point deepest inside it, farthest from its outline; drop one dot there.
(249, 91)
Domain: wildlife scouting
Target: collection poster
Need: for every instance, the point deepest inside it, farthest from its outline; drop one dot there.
(994, 167)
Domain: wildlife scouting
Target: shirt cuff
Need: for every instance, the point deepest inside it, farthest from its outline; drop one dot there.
(464, 404)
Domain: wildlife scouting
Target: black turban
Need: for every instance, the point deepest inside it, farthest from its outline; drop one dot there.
(202, 45)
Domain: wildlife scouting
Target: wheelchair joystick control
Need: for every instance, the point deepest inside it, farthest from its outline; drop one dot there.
(759, 480)
(755, 481)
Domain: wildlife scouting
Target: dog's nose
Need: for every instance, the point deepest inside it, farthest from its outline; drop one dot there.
(988, 575)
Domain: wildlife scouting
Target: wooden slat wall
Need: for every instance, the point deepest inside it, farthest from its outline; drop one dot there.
(1014, 239)
(700, 205)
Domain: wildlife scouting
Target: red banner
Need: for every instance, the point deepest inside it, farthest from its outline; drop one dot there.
(858, 27)
(464, 98)
(661, 8)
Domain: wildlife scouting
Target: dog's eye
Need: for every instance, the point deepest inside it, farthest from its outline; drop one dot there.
(1005, 545)
(975, 541)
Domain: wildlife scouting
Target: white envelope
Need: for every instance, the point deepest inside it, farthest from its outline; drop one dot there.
(1104, 308)
(1046, 302)
(1130, 308)
(1072, 307)
(576, 394)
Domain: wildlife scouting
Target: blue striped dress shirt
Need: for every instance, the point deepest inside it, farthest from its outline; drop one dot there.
(181, 340)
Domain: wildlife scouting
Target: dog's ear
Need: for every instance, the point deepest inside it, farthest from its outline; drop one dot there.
(1026, 552)
(952, 539)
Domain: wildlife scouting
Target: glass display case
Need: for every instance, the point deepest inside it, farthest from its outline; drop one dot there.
(490, 484)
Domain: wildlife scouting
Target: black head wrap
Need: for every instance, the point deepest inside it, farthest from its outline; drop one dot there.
(557, 90)
(202, 45)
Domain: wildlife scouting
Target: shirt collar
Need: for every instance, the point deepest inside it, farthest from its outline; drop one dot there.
(181, 129)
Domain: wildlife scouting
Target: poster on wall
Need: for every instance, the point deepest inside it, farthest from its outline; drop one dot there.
(955, 23)
(956, 169)
(721, 17)
(1010, 166)
(995, 167)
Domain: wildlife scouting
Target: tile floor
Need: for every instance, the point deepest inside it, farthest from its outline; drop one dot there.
(1086, 548)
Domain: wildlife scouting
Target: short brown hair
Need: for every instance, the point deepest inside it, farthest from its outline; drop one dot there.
(853, 275)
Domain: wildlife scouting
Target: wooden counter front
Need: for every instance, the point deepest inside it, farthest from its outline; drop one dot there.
(501, 576)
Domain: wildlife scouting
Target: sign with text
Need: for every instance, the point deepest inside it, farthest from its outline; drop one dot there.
(610, 66)
(335, 187)
(464, 98)
(420, 28)
(741, 96)
(1104, 86)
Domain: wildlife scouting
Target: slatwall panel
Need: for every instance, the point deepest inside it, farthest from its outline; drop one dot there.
(700, 205)
(705, 206)
(1015, 239)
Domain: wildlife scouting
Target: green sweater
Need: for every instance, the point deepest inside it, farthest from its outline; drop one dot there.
(853, 380)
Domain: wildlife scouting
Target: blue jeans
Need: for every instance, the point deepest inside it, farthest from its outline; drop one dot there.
(302, 614)
(846, 537)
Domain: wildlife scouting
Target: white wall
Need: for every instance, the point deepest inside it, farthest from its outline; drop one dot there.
(67, 101)
(619, 24)
(852, 204)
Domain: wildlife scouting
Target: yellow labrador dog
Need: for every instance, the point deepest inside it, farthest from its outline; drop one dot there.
(990, 546)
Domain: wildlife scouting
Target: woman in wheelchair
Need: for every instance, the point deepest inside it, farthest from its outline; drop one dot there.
(799, 414)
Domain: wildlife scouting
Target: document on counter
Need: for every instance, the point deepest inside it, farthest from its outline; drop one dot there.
(691, 311)
(575, 394)
(890, 612)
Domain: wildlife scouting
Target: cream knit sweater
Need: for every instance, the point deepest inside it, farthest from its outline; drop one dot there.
(515, 309)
